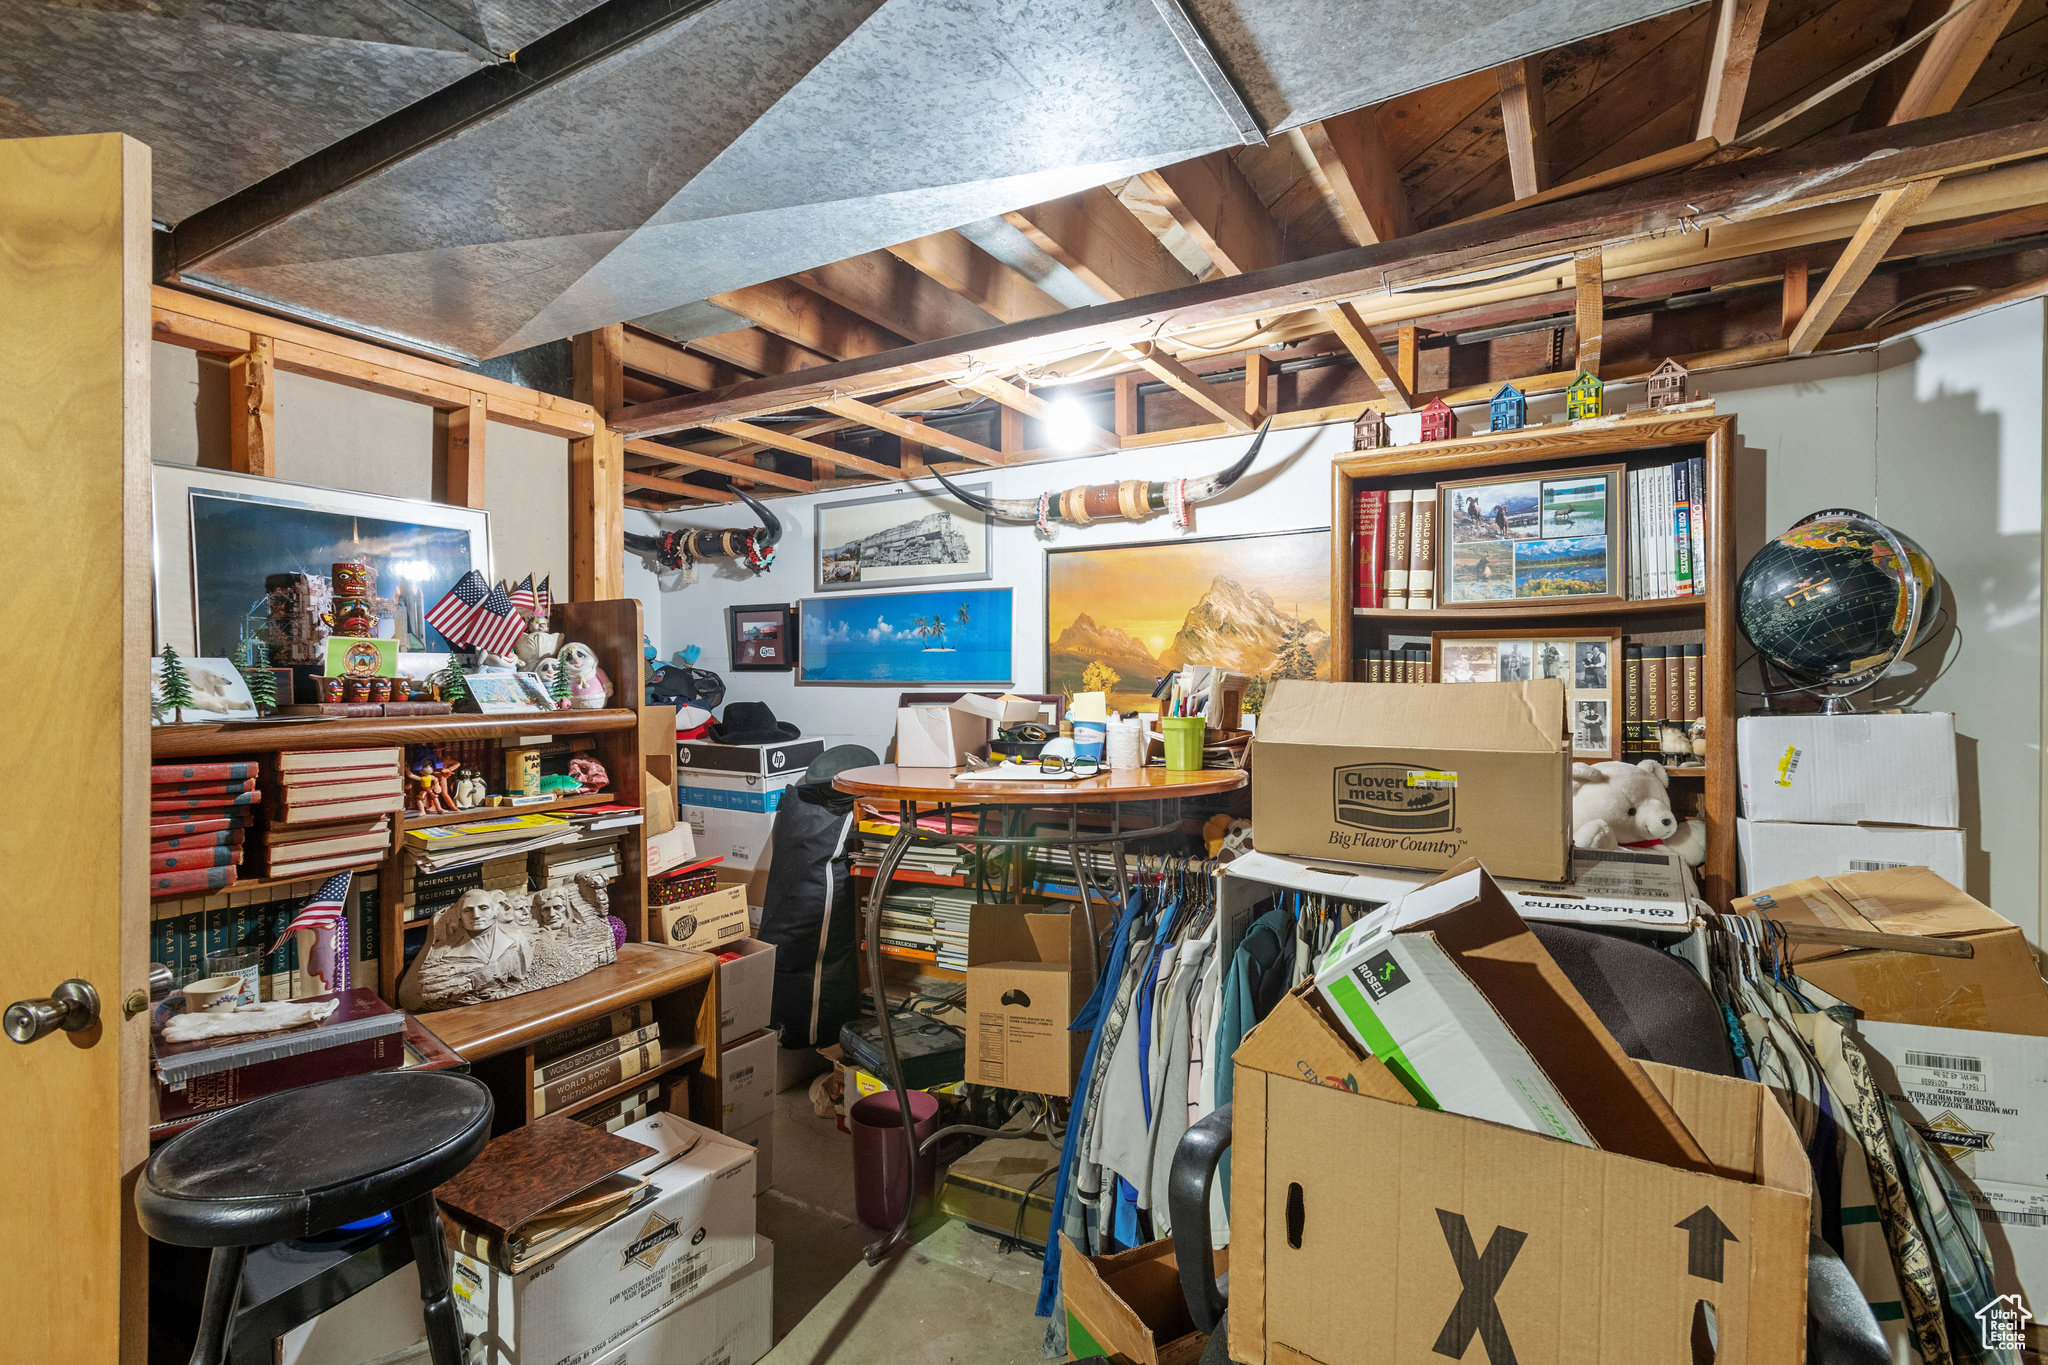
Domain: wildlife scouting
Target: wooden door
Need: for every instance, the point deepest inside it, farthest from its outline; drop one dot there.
(74, 745)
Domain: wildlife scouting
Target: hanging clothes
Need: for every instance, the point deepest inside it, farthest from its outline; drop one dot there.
(1270, 936)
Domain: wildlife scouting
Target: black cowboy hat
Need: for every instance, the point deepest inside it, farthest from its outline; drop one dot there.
(751, 722)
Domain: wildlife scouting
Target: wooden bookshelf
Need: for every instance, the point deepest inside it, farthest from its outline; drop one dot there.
(482, 813)
(1637, 441)
(168, 742)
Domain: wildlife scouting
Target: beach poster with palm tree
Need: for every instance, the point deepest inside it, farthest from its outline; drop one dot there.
(910, 638)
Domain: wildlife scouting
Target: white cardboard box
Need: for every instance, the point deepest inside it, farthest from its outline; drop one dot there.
(743, 838)
(1774, 852)
(746, 989)
(671, 848)
(1404, 999)
(760, 1135)
(1848, 770)
(570, 1308)
(937, 736)
(746, 1070)
(1981, 1101)
(732, 1324)
(1631, 888)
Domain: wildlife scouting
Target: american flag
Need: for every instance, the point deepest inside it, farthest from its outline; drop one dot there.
(543, 600)
(452, 614)
(321, 912)
(494, 626)
(523, 598)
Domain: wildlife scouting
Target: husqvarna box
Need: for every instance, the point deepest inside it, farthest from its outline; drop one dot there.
(1425, 775)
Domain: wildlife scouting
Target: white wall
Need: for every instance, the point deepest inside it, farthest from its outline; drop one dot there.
(1939, 434)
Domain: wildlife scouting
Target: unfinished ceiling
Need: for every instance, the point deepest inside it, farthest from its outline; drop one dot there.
(739, 141)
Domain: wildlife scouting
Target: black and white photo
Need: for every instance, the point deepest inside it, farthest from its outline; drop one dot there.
(1589, 666)
(902, 540)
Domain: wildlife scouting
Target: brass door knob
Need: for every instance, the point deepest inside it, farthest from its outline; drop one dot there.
(73, 1006)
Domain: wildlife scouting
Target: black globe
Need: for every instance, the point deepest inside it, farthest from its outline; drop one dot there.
(1824, 602)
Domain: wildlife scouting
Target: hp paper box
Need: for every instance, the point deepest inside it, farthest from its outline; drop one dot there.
(570, 1308)
(1420, 776)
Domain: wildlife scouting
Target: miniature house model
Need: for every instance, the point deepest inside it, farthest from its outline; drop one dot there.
(1509, 411)
(1439, 423)
(1369, 432)
(1667, 384)
(1582, 399)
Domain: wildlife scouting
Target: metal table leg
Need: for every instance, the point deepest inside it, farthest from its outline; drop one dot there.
(906, 830)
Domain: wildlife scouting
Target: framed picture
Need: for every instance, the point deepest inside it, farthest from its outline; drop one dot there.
(219, 692)
(762, 639)
(1536, 538)
(496, 693)
(957, 635)
(219, 535)
(903, 540)
(1119, 617)
(1588, 663)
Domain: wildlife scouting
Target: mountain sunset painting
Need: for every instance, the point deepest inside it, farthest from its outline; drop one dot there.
(1120, 617)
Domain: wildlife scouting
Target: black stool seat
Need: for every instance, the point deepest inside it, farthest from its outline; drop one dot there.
(305, 1161)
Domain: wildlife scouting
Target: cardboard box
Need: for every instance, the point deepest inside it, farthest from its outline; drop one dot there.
(1642, 889)
(1356, 1220)
(1129, 1306)
(570, 1308)
(754, 883)
(1420, 776)
(1453, 993)
(732, 1324)
(1027, 973)
(735, 791)
(1981, 1100)
(658, 799)
(760, 1135)
(743, 838)
(790, 756)
(1773, 853)
(746, 1071)
(1997, 989)
(671, 848)
(937, 736)
(1849, 770)
(746, 989)
(706, 922)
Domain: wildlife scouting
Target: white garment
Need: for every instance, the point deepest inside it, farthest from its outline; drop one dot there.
(265, 1018)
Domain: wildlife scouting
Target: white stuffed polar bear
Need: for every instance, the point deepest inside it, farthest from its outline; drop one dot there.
(1621, 803)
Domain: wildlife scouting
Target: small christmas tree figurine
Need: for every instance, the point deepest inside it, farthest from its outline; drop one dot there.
(453, 688)
(176, 687)
(254, 666)
(558, 686)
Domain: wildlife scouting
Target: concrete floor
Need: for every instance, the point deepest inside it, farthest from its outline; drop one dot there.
(951, 1297)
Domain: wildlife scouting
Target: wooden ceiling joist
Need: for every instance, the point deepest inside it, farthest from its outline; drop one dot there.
(666, 360)
(1646, 222)
(1525, 125)
(1094, 235)
(905, 429)
(762, 352)
(1031, 405)
(1211, 200)
(812, 321)
(951, 260)
(1169, 371)
(1932, 78)
(1349, 156)
(1396, 392)
(1589, 315)
(884, 290)
(1738, 24)
(710, 464)
(640, 478)
(1882, 225)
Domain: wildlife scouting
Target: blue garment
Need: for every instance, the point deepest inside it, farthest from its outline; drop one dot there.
(1270, 935)
(1090, 1021)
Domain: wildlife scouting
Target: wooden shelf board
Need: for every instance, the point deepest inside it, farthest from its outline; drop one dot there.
(683, 1057)
(369, 864)
(194, 741)
(643, 970)
(1658, 606)
(466, 817)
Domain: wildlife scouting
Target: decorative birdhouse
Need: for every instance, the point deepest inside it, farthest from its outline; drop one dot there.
(1582, 399)
(1510, 412)
(1369, 432)
(1439, 423)
(1667, 384)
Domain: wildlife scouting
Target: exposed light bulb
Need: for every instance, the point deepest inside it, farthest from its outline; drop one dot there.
(1066, 422)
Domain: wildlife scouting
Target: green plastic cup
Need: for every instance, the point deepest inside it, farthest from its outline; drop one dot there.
(1183, 738)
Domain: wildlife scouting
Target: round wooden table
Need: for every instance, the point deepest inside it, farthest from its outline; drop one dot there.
(954, 791)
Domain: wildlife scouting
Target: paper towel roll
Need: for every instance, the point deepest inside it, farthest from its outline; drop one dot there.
(1126, 744)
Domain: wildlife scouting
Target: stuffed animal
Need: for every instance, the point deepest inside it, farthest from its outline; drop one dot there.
(1690, 842)
(1620, 803)
(588, 686)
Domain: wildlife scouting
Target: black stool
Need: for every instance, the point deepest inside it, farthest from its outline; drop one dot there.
(302, 1163)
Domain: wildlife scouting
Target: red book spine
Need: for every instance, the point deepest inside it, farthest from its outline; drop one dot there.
(201, 772)
(204, 1094)
(163, 826)
(189, 859)
(1371, 552)
(170, 805)
(213, 838)
(191, 879)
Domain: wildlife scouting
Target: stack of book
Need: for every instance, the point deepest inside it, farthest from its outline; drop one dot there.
(199, 814)
(362, 1035)
(1409, 665)
(1394, 530)
(1667, 530)
(309, 850)
(950, 908)
(428, 892)
(629, 1108)
(583, 1061)
(907, 921)
(441, 847)
(1661, 686)
(329, 809)
(596, 852)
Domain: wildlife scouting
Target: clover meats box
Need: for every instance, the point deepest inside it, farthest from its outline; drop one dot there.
(1475, 1241)
(1419, 776)
(696, 1230)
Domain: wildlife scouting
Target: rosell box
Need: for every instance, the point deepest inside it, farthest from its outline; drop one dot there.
(1850, 770)
(1997, 988)
(569, 1309)
(706, 922)
(1365, 1227)
(1420, 776)
(1027, 973)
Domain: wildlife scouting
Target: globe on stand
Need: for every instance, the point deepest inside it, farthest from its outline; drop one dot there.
(1828, 604)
